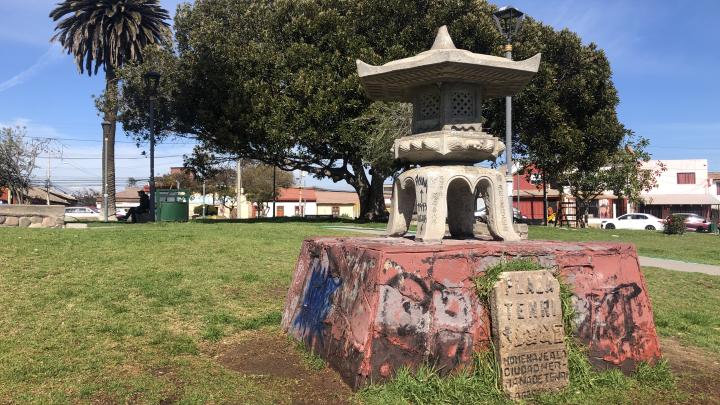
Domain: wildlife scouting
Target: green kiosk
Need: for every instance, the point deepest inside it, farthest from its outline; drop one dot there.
(172, 205)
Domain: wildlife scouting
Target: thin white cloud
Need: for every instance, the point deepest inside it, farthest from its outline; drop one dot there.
(619, 27)
(33, 129)
(49, 57)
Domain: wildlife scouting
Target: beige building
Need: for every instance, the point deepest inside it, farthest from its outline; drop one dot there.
(337, 203)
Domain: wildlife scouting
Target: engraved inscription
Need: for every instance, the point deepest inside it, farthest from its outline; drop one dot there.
(528, 332)
(421, 205)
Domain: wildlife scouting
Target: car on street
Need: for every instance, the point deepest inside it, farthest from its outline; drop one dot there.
(121, 214)
(694, 222)
(518, 218)
(634, 221)
(81, 214)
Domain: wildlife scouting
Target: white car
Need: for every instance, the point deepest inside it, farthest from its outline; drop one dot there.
(634, 221)
(81, 214)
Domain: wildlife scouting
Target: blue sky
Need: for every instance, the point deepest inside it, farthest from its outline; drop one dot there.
(664, 56)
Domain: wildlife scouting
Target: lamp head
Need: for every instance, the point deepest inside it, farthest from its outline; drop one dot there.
(152, 79)
(508, 20)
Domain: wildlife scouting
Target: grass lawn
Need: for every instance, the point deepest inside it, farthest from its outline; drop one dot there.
(690, 247)
(181, 313)
(685, 306)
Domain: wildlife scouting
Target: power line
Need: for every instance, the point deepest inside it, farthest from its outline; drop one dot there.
(100, 158)
(100, 140)
(77, 179)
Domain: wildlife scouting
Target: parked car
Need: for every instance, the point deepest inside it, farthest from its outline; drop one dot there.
(694, 222)
(634, 221)
(518, 218)
(121, 213)
(81, 214)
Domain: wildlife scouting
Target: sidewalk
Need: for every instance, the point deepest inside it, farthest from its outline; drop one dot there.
(677, 265)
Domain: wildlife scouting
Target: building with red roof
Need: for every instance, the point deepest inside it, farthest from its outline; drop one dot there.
(312, 202)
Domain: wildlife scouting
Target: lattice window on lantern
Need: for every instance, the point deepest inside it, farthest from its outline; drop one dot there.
(462, 104)
(429, 106)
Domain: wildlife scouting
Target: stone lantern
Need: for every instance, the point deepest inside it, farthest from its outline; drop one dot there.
(446, 87)
(372, 306)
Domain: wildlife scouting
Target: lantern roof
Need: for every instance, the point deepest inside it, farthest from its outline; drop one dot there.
(445, 63)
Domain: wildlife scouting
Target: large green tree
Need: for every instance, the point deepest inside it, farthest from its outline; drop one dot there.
(565, 120)
(625, 171)
(108, 34)
(278, 83)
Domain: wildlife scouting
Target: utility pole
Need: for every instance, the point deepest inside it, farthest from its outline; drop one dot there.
(203, 199)
(239, 187)
(47, 182)
(301, 207)
(274, 189)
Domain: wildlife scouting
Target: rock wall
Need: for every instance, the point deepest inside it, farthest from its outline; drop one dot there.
(32, 216)
(369, 306)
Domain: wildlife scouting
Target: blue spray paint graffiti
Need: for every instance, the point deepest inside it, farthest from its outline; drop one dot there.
(316, 303)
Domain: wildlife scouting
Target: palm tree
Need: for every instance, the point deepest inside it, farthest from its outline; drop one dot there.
(109, 34)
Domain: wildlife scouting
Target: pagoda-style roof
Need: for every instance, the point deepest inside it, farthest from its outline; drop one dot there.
(445, 63)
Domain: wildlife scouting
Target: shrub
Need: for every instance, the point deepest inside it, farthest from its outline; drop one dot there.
(675, 225)
(209, 210)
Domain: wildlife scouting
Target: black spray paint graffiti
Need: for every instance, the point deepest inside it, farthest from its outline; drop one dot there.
(427, 291)
(438, 354)
(610, 314)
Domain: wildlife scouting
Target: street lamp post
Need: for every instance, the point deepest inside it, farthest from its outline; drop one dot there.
(508, 20)
(107, 127)
(152, 79)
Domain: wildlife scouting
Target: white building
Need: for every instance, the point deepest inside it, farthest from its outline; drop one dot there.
(714, 179)
(294, 202)
(684, 186)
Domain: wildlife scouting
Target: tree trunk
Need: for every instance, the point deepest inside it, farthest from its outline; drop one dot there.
(372, 198)
(582, 215)
(582, 204)
(375, 203)
(111, 94)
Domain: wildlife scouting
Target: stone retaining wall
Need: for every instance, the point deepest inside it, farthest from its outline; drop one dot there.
(32, 216)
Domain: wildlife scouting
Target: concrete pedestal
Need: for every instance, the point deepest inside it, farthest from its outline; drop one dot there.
(372, 305)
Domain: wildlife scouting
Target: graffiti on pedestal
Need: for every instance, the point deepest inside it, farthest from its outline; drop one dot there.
(610, 315)
(422, 320)
(317, 302)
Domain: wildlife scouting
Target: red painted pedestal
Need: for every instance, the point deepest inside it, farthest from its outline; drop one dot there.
(369, 306)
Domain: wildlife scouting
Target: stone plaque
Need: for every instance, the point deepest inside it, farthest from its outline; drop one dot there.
(528, 332)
